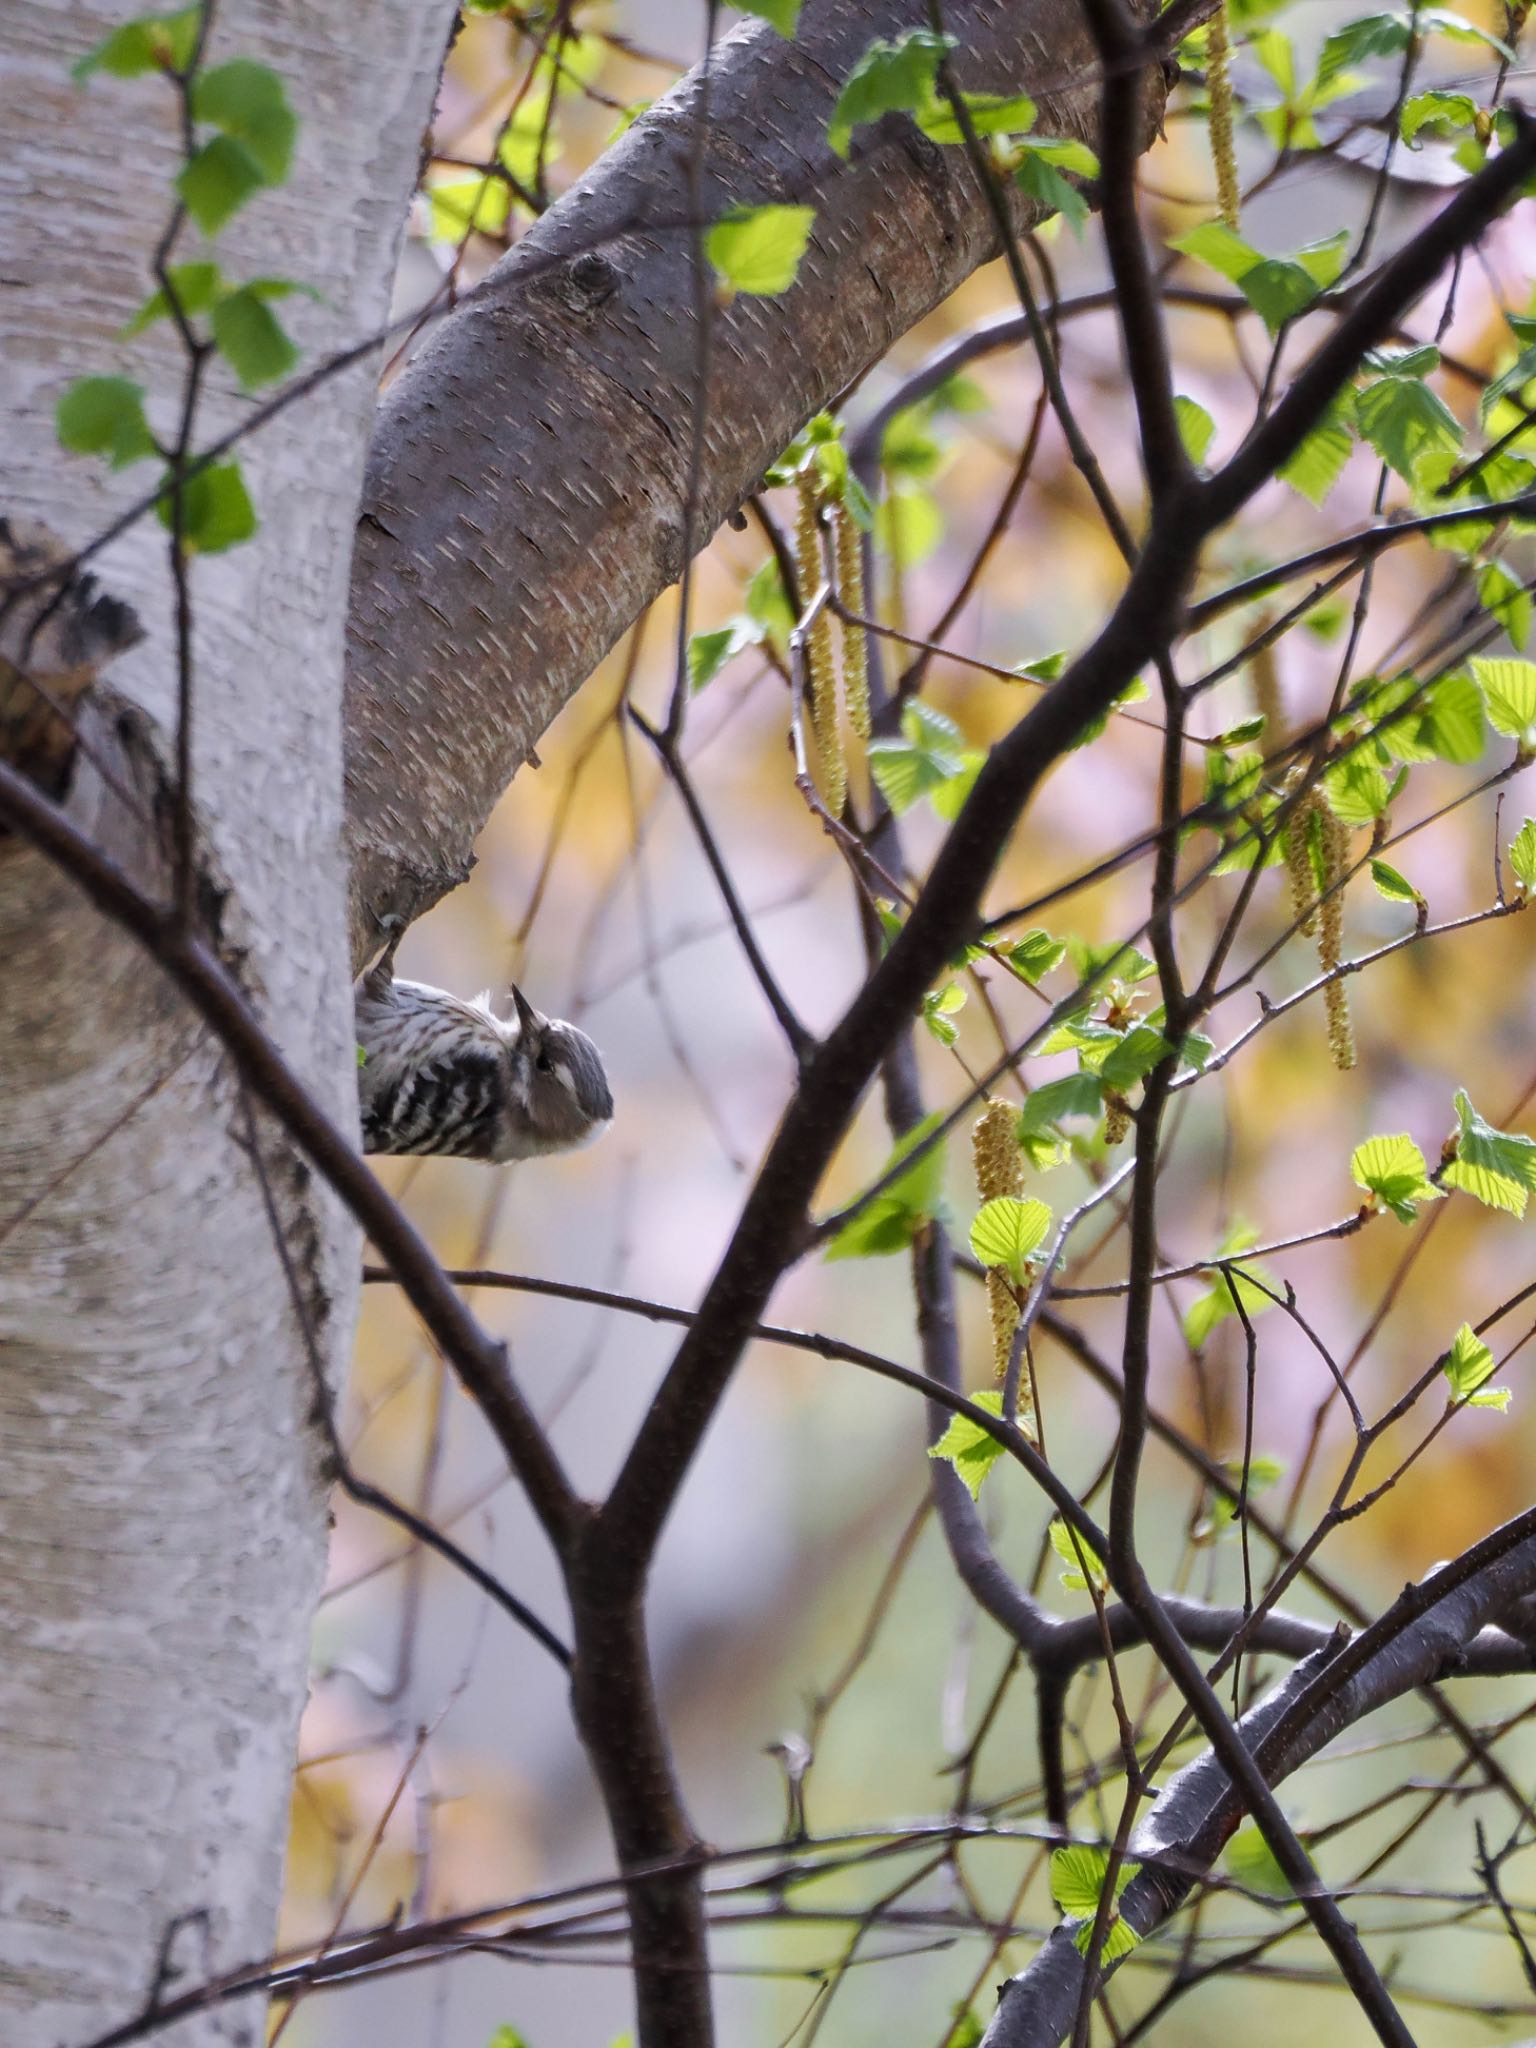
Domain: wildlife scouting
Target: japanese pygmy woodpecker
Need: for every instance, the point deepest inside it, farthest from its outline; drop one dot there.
(443, 1076)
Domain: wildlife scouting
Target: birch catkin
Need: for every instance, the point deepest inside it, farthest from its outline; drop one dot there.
(999, 1171)
(820, 661)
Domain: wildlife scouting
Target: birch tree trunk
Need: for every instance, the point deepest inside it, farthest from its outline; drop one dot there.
(162, 1498)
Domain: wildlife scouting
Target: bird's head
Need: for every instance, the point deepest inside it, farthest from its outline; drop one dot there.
(560, 1090)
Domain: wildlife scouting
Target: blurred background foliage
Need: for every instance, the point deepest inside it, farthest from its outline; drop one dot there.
(439, 1768)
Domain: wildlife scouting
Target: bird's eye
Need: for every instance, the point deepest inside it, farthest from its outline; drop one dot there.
(543, 1060)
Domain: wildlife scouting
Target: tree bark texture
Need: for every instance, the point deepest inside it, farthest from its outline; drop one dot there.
(529, 477)
(161, 1490)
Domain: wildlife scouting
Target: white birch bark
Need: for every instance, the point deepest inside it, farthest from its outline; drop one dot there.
(162, 1505)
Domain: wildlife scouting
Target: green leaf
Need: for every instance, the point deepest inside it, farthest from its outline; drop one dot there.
(1319, 462)
(1250, 1862)
(939, 1006)
(1509, 692)
(990, 114)
(1393, 1170)
(1138, 1052)
(1441, 113)
(891, 77)
(1468, 1363)
(1403, 419)
(1065, 152)
(1391, 884)
(217, 512)
(1373, 35)
(929, 755)
(1077, 1879)
(1084, 1566)
(1034, 953)
(151, 42)
(105, 416)
(1356, 790)
(1230, 1285)
(457, 207)
(1277, 287)
(1497, 1168)
(1507, 599)
(757, 249)
(1441, 723)
(967, 2032)
(1008, 1231)
(1522, 854)
(1039, 178)
(894, 1217)
(248, 102)
(784, 15)
(251, 339)
(195, 287)
(1197, 429)
(708, 653)
(1263, 1473)
(507, 2037)
(968, 1447)
(218, 181)
(1080, 1094)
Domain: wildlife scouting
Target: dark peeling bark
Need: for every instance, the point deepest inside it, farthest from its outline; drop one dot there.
(529, 474)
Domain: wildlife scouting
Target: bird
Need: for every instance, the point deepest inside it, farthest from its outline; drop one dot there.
(449, 1078)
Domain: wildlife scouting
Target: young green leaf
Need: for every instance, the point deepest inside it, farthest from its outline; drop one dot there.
(251, 339)
(218, 181)
(894, 1217)
(1393, 1170)
(457, 207)
(217, 512)
(1522, 854)
(1197, 430)
(784, 15)
(152, 42)
(1008, 1231)
(968, 1447)
(1250, 1862)
(1356, 790)
(507, 2037)
(1250, 1285)
(1497, 1168)
(1468, 1364)
(1509, 692)
(194, 286)
(757, 249)
(248, 102)
(1077, 1880)
(990, 113)
(1392, 884)
(1036, 953)
(1507, 598)
(1084, 1566)
(890, 78)
(1403, 420)
(1319, 462)
(1138, 1052)
(105, 416)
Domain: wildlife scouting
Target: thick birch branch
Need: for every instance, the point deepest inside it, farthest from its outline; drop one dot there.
(528, 482)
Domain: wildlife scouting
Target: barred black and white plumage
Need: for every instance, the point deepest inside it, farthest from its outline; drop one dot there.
(451, 1078)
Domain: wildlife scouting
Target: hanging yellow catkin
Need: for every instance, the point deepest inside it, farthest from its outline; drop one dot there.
(1330, 942)
(1218, 81)
(1268, 700)
(1117, 1116)
(819, 657)
(1000, 1171)
(849, 547)
(1298, 861)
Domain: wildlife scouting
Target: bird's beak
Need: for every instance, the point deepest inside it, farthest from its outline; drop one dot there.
(527, 1016)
